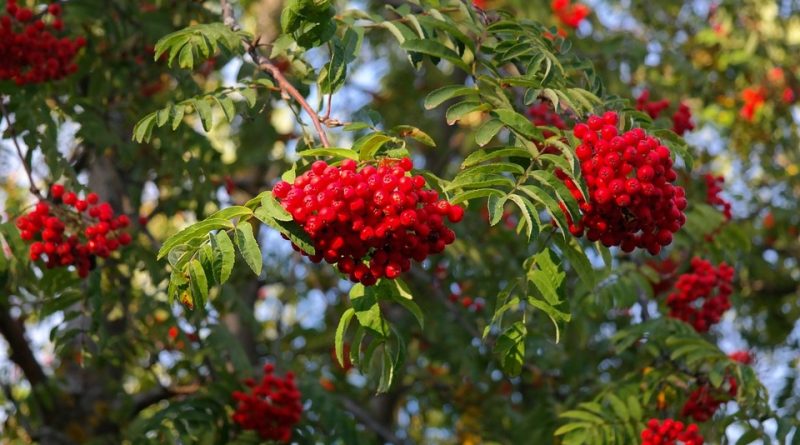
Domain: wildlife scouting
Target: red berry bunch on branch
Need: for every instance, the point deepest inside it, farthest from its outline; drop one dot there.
(652, 108)
(272, 407)
(570, 14)
(704, 401)
(71, 231)
(754, 98)
(682, 120)
(713, 189)
(543, 114)
(369, 221)
(29, 47)
(670, 432)
(632, 200)
(702, 295)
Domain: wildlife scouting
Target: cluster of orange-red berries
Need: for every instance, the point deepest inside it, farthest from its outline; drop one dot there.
(701, 296)
(570, 14)
(681, 119)
(30, 50)
(632, 201)
(271, 407)
(369, 221)
(671, 432)
(68, 231)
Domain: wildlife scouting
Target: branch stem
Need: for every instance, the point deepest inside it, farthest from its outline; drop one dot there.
(22, 156)
(265, 64)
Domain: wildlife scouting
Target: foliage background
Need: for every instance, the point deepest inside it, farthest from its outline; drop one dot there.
(104, 368)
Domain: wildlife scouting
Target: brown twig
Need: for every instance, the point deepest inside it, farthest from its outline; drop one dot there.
(363, 416)
(13, 132)
(265, 64)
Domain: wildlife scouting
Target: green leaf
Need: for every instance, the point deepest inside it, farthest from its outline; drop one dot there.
(248, 246)
(387, 370)
(143, 128)
(344, 322)
(478, 156)
(197, 230)
(546, 276)
(203, 109)
(232, 212)
(274, 209)
(618, 406)
(443, 94)
(335, 152)
(198, 283)
(224, 255)
(456, 112)
(368, 312)
(407, 131)
(435, 49)
(518, 123)
(495, 205)
(368, 145)
(294, 232)
(487, 131)
(401, 294)
(510, 347)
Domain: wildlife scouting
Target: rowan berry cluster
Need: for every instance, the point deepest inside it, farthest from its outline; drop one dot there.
(29, 48)
(570, 14)
(702, 295)
(654, 108)
(543, 114)
(272, 406)
(713, 189)
(670, 432)
(704, 401)
(682, 120)
(632, 200)
(369, 221)
(71, 231)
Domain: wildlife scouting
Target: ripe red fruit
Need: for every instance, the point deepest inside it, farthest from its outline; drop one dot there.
(62, 237)
(30, 49)
(369, 222)
(632, 201)
(56, 191)
(670, 432)
(271, 407)
(702, 295)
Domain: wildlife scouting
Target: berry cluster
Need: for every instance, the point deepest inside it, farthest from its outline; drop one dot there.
(704, 282)
(670, 432)
(30, 51)
(754, 98)
(72, 231)
(704, 401)
(744, 357)
(370, 221)
(713, 189)
(632, 200)
(653, 109)
(570, 14)
(682, 120)
(542, 114)
(271, 408)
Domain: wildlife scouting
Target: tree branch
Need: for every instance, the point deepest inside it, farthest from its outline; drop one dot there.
(363, 416)
(21, 354)
(265, 64)
(13, 132)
